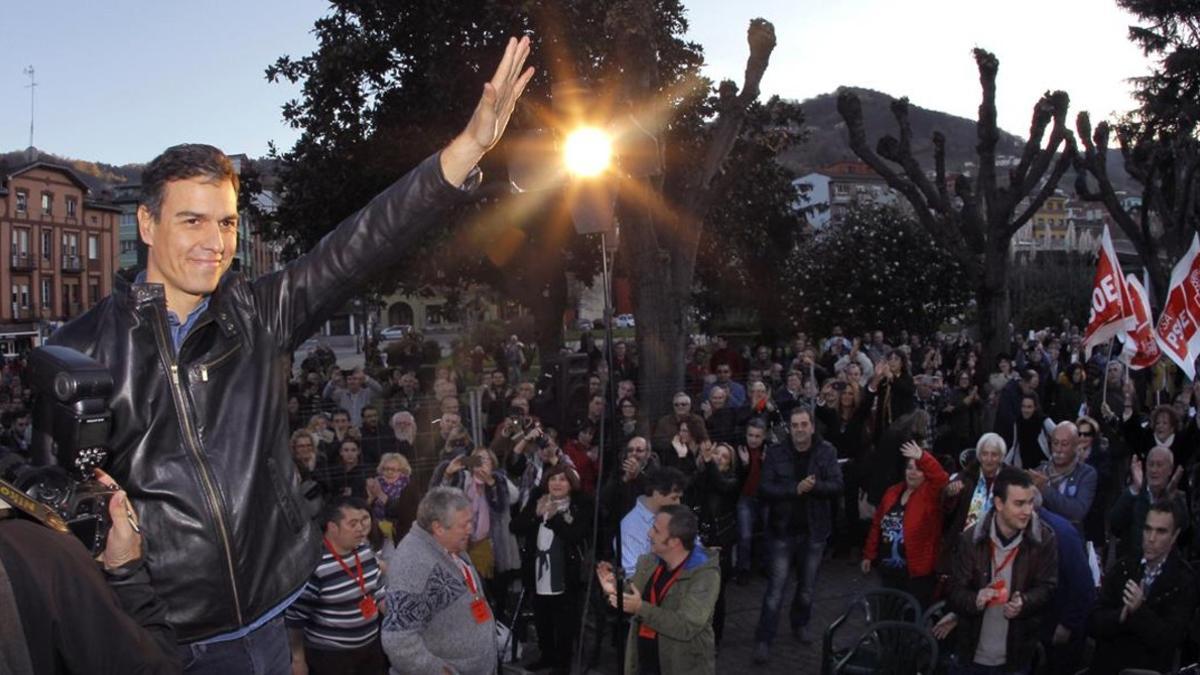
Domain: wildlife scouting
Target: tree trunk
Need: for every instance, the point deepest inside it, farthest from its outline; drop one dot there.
(994, 304)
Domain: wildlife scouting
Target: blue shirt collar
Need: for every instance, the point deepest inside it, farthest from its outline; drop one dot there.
(179, 330)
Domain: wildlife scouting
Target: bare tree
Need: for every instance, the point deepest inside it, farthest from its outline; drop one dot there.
(662, 217)
(1165, 165)
(976, 222)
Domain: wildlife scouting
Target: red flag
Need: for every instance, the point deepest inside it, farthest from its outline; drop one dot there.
(1141, 349)
(1178, 330)
(1112, 312)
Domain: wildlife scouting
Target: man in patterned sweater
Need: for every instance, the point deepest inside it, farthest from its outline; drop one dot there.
(438, 620)
(334, 625)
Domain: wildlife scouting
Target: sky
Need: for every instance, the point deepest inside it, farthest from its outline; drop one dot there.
(120, 80)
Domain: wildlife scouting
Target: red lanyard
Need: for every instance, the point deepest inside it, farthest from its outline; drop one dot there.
(670, 582)
(360, 578)
(469, 579)
(1003, 563)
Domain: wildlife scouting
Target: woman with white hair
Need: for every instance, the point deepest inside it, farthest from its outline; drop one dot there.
(968, 495)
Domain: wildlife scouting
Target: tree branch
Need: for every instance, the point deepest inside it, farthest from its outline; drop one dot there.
(911, 168)
(1042, 114)
(986, 130)
(1094, 161)
(850, 108)
(761, 36)
(1048, 188)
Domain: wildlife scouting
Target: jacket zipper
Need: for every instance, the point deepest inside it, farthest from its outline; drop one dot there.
(193, 444)
(203, 368)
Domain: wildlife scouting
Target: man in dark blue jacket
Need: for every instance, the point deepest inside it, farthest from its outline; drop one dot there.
(800, 480)
(1063, 630)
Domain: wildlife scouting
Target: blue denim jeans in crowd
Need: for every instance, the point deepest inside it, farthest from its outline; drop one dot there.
(807, 552)
(263, 652)
(750, 511)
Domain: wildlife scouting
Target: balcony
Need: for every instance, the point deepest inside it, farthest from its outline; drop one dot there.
(72, 263)
(22, 262)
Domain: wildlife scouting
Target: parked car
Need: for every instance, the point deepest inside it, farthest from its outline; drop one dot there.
(584, 324)
(625, 321)
(395, 332)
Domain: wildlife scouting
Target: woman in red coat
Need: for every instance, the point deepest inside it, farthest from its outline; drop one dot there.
(907, 528)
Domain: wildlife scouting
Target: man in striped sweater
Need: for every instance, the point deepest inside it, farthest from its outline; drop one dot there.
(334, 624)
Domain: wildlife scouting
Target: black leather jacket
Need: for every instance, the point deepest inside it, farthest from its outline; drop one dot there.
(200, 438)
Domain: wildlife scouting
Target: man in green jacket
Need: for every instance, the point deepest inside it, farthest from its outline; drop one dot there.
(671, 599)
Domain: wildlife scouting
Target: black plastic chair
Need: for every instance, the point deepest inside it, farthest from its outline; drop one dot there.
(880, 604)
(890, 648)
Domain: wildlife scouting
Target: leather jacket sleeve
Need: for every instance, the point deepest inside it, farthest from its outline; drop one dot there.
(293, 302)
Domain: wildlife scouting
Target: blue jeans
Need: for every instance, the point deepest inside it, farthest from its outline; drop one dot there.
(750, 511)
(807, 551)
(264, 652)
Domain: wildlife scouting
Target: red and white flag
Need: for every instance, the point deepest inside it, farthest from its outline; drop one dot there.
(1178, 330)
(1141, 348)
(1112, 312)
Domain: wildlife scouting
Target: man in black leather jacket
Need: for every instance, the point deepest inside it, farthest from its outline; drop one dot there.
(200, 359)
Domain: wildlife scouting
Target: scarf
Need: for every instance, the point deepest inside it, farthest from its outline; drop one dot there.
(981, 502)
(550, 572)
(480, 511)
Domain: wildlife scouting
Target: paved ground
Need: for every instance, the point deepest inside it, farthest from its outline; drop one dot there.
(839, 582)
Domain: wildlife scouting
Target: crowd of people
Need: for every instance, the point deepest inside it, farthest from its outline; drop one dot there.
(1007, 492)
(1042, 501)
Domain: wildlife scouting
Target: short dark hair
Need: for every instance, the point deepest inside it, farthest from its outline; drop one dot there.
(341, 411)
(756, 423)
(181, 162)
(1010, 476)
(564, 469)
(331, 511)
(683, 524)
(1173, 507)
(665, 480)
(801, 409)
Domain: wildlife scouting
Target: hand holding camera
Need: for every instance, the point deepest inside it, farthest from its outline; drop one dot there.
(124, 543)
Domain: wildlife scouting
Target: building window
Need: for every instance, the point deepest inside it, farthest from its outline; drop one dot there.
(47, 294)
(93, 247)
(22, 201)
(93, 291)
(20, 242)
(70, 207)
(47, 203)
(70, 244)
(47, 243)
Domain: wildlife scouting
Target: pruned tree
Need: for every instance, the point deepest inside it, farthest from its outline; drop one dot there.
(663, 217)
(1158, 141)
(976, 222)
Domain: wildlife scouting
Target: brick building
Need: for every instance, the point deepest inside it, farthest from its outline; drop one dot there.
(58, 247)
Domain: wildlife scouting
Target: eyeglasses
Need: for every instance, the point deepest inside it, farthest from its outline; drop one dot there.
(1087, 434)
(681, 405)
